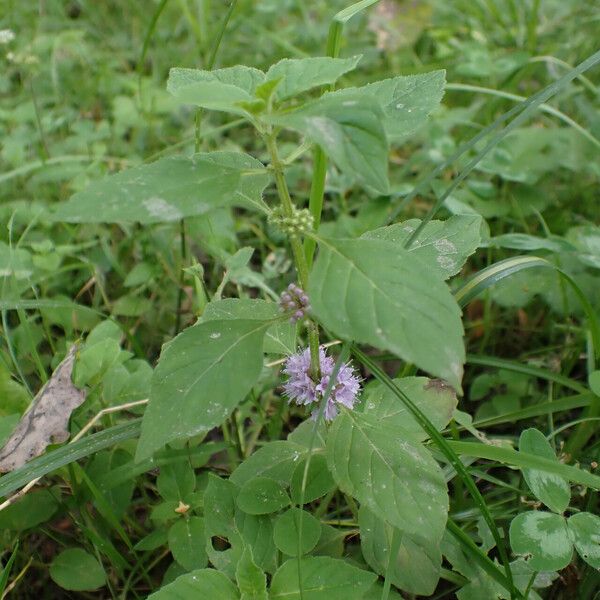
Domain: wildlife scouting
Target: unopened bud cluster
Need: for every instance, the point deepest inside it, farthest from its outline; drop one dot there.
(299, 223)
(294, 300)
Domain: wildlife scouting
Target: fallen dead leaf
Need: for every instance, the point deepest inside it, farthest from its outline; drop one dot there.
(46, 420)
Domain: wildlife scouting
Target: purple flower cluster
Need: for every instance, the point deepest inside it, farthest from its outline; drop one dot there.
(294, 299)
(302, 389)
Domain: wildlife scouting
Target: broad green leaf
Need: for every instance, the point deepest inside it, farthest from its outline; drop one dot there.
(388, 472)
(169, 189)
(544, 537)
(551, 489)
(584, 528)
(301, 74)
(286, 531)
(256, 531)
(443, 246)
(187, 542)
(276, 460)
(204, 583)
(375, 293)
(261, 496)
(432, 396)
(192, 387)
(280, 337)
(250, 578)
(415, 568)
(220, 89)
(318, 480)
(349, 130)
(33, 509)
(176, 481)
(406, 101)
(76, 570)
(323, 578)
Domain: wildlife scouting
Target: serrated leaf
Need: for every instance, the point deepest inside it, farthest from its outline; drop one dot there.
(551, 489)
(349, 130)
(443, 246)
(416, 566)
(192, 388)
(286, 532)
(187, 542)
(584, 528)
(280, 337)
(406, 101)
(375, 293)
(221, 89)
(298, 75)
(389, 473)
(262, 496)
(204, 583)
(433, 397)
(323, 578)
(544, 538)
(169, 189)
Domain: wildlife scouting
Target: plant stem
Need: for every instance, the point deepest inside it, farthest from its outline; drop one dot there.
(296, 244)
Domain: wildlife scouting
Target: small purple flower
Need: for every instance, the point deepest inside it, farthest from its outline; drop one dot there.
(303, 390)
(294, 300)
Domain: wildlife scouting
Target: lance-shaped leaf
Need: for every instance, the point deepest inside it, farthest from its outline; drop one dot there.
(406, 100)
(170, 189)
(443, 245)
(46, 420)
(298, 75)
(375, 293)
(390, 473)
(349, 129)
(202, 375)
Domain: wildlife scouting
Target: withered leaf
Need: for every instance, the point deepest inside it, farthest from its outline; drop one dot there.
(46, 420)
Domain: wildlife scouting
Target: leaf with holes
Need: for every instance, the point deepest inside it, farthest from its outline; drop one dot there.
(394, 476)
(375, 293)
(192, 388)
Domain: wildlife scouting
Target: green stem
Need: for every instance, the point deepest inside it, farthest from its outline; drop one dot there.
(297, 249)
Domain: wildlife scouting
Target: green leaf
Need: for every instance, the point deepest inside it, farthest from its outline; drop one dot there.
(187, 542)
(551, 489)
(349, 130)
(406, 101)
(323, 578)
(301, 74)
(276, 460)
(389, 473)
(443, 246)
(545, 537)
(318, 480)
(204, 583)
(594, 382)
(220, 89)
(192, 388)
(376, 293)
(584, 528)
(280, 337)
(33, 509)
(176, 481)
(416, 565)
(286, 531)
(75, 569)
(261, 496)
(433, 397)
(169, 189)
(250, 579)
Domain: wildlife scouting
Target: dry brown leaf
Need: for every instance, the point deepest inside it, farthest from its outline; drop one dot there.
(46, 420)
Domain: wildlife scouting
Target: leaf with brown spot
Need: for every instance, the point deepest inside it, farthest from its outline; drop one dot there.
(46, 420)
